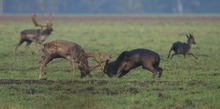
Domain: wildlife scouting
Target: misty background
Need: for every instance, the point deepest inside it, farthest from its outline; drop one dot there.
(110, 6)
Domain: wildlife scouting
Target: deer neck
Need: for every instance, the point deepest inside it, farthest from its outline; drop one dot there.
(45, 32)
(42, 36)
(190, 45)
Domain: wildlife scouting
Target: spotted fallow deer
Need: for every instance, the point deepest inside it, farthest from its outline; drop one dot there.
(68, 50)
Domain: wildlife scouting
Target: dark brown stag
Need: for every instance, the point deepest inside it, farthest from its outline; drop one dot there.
(128, 60)
(67, 50)
(35, 35)
(183, 48)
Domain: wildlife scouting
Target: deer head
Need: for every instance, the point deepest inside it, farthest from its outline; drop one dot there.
(191, 39)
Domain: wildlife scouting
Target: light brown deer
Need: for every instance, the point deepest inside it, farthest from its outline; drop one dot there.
(34, 35)
(67, 50)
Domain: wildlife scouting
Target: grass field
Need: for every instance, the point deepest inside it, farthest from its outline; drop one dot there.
(185, 83)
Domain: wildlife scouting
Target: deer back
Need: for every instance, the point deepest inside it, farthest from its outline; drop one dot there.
(62, 48)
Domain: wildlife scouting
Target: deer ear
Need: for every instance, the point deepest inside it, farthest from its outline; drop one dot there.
(187, 36)
(190, 35)
(107, 61)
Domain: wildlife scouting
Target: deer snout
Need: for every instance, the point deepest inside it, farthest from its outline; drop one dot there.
(85, 73)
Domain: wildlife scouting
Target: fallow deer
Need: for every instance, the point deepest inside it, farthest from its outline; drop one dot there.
(67, 50)
(128, 60)
(35, 35)
(183, 48)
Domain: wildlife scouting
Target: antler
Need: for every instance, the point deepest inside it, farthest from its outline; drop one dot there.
(99, 59)
(105, 57)
(34, 20)
(93, 55)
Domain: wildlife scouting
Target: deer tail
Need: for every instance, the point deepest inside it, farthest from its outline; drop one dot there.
(170, 52)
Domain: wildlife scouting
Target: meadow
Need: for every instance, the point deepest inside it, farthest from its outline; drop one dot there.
(185, 83)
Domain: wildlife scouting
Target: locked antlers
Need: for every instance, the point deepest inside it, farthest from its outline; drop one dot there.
(99, 58)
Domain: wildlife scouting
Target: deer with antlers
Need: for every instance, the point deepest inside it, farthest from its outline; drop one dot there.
(34, 35)
(68, 50)
(72, 52)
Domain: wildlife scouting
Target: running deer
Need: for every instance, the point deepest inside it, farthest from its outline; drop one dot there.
(183, 48)
(129, 60)
(99, 58)
(35, 35)
(67, 50)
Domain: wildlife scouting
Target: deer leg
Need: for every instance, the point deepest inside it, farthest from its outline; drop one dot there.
(74, 69)
(43, 63)
(192, 55)
(160, 71)
(41, 60)
(173, 55)
(152, 69)
(45, 66)
(184, 55)
(38, 46)
(121, 68)
(17, 45)
(26, 47)
(123, 74)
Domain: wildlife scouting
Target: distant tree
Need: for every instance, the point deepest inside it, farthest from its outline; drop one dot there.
(179, 7)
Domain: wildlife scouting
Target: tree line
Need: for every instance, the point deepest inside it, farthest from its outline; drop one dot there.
(110, 6)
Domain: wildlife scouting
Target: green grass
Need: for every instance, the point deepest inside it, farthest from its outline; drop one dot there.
(185, 83)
